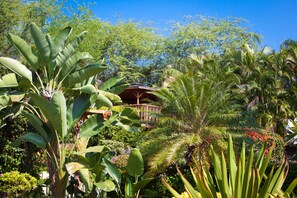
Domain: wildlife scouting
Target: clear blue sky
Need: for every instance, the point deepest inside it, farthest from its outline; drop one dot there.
(275, 20)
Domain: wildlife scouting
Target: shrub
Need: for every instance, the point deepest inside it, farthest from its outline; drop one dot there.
(16, 184)
(272, 141)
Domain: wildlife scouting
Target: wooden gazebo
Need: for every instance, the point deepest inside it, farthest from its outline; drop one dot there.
(139, 97)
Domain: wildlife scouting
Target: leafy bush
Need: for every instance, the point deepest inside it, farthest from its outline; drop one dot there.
(16, 184)
(26, 158)
(115, 133)
(272, 141)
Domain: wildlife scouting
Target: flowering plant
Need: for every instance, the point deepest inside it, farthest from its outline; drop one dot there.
(272, 141)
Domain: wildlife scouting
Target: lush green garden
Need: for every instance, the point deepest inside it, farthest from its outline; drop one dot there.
(226, 126)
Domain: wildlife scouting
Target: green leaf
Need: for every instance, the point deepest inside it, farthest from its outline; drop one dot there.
(4, 100)
(292, 186)
(16, 67)
(112, 171)
(112, 85)
(142, 183)
(247, 173)
(34, 139)
(83, 74)
(106, 86)
(25, 50)
(88, 89)
(73, 167)
(9, 80)
(41, 42)
(16, 96)
(106, 186)
(37, 124)
(93, 149)
(12, 111)
(135, 165)
(129, 189)
(49, 110)
(78, 107)
(62, 37)
(232, 162)
(174, 192)
(86, 178)
(91, 127)
(111, 96)
(189, 188)
(52, 62)
(72, 62)
(225, 190)
(102, 101)
(56, 46)
(59, 102)
(130, 113)
(69, 50)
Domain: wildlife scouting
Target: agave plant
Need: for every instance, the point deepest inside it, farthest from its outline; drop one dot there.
(232, 178)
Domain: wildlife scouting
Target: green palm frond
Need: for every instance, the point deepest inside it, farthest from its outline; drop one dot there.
(171, 151)
(194, 103)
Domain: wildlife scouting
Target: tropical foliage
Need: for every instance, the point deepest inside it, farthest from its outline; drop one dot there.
(211, 76)
(16, 184)
(244, 177)
(195, 105)
(41, 96)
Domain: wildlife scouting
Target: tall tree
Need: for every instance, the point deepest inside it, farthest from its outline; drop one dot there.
(16, 16)
(127, 47)
(205, 36)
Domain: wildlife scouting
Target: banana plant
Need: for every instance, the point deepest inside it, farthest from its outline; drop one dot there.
(52, 85)
(241, 178)
(52, 64)
(97, 174)
(135, 170)
(53, 124)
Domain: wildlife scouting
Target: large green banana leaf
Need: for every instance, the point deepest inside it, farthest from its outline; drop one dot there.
(41, 42)
(16, 67)
(26, 50)
(78, 107)
(83, 74)
(55, 112)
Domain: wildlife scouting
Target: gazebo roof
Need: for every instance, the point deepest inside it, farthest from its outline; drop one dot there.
(134, 92)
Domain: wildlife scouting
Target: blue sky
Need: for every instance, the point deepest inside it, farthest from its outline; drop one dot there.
(275, 20)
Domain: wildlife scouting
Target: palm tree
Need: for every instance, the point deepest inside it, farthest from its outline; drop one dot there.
(264, 91)
(289, 49)
(193, 106)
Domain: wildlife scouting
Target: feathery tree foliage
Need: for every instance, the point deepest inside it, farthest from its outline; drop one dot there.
(205, 36)
(126, 47)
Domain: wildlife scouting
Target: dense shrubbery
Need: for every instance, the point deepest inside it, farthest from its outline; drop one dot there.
(26, 158)
(16, 184)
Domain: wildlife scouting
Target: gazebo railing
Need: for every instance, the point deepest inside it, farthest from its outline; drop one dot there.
(146, 112)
